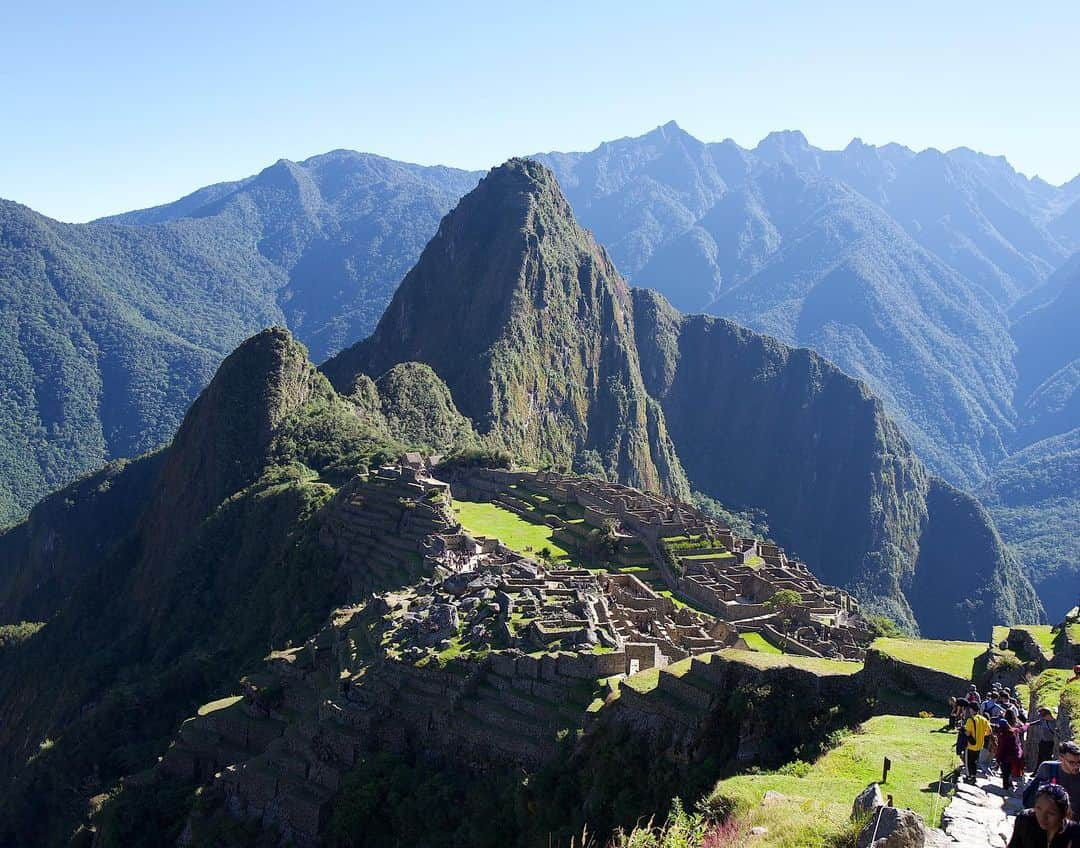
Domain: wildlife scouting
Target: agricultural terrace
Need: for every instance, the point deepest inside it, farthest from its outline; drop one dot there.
(957, 658)
(817, 798)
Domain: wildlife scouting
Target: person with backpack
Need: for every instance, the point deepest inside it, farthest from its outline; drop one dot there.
(1048, 823)
(1010, 748)
(976, 732)
(1043, 734)
(1064, 771)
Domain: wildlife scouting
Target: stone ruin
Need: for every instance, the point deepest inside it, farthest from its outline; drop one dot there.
(693, 556)
(486, 654)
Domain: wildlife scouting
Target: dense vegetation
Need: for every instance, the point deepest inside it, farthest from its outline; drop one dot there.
(872, 256)
(109, 330)
(757, 422)
(897, 266)
(1034, 497)
(220, 562)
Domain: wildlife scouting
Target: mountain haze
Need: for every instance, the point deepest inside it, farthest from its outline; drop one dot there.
(929, 276)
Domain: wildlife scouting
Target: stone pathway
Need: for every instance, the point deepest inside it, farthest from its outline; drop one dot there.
(981, 815)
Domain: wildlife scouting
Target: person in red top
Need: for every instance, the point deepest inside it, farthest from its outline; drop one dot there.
(1010, 748)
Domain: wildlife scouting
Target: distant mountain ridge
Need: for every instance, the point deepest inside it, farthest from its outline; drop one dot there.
(905, 268)
(869, 255)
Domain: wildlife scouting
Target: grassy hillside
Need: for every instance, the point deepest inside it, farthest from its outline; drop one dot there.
(816, 802)
(957, 658)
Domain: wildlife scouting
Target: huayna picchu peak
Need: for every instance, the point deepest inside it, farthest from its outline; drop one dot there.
(524, 317)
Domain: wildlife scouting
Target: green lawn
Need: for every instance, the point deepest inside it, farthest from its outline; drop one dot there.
(817, 805)
(487, 519)
(1044, 635)
(818, 665)
(221, 704)
(956, 658)
(756, 642)
(643, 681)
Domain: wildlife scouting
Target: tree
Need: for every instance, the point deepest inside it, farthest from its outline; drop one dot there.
(783, 602)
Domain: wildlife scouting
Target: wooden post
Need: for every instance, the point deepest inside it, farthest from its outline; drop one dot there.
(885, 766)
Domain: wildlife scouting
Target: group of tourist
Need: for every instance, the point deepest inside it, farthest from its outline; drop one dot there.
(992, 731)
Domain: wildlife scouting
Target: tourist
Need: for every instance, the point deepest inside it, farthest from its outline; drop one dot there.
(956, 713)
(1065, 770)
(973, 695)
(994, 707)
(1048, 823)
(976, 731)
(1043, 734)
(1010, 749)
(1076, 675)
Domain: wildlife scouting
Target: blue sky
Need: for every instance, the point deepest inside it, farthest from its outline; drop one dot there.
(108, 107)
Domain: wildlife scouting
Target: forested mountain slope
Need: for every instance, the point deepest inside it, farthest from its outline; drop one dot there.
(109, 330)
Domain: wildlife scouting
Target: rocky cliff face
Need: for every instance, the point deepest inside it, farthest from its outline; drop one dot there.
(523, 315)
(760, 424)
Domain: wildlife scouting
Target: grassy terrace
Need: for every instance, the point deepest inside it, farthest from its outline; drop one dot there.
(220, 704)
(956, 658)
(488, 519)
(756, 642)
(818, 803)
(1044, 634)
(818, 665)
(1049, 686)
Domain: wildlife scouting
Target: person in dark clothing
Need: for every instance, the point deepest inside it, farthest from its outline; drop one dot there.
(1043, 733)
(1010, 748)
(1064, 771)
(1048, 823)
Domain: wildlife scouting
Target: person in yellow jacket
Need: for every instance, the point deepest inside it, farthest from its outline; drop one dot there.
(976, 729)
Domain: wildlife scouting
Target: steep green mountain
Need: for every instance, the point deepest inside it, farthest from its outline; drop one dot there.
(192, 561)
(524, 317)
(899, 266)
(109, 330)
(419, 410)
(760, 424)
(1034, 497)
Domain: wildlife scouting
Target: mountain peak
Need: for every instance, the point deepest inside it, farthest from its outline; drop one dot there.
(222, 444)
(525, 319)
(784, 140)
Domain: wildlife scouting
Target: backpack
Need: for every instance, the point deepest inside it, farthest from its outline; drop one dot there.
(1035, 785)
(961, 741)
